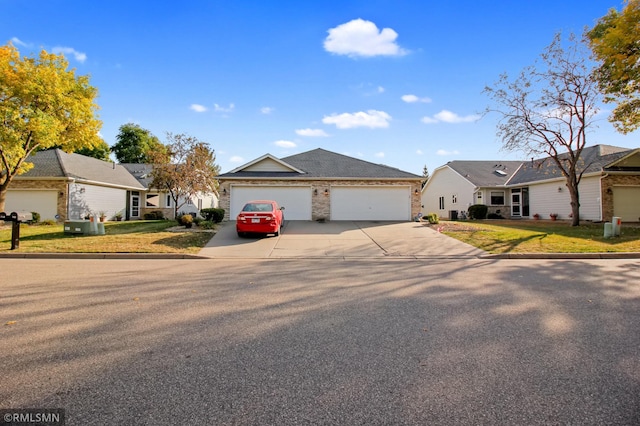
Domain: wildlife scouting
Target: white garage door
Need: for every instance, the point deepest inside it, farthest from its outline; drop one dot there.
(43, 202)
(295, 199)
(371, 203)
(626, 203)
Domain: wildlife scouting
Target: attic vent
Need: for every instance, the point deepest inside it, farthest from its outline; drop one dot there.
(500, 172)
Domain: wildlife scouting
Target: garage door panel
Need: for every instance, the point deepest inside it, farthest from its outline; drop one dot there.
(43, 202)
(295, 199)
(370, 203)
(626, 203)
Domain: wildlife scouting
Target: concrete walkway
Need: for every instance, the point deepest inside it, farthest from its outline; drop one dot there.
(301, 239)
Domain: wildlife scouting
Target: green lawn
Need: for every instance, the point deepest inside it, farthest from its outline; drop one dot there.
(542, 236)
(120, 237)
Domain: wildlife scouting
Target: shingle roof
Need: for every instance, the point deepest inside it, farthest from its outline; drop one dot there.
(55, 163)
(485, 173)
(320, 163)
(141, 171)
(593, 159)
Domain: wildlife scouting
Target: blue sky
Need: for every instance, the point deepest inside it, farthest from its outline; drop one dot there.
(395, 82)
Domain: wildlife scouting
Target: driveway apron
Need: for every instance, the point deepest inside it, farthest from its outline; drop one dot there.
(339, 239)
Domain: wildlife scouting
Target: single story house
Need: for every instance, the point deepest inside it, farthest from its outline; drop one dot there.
(64, 186)
(158, 200)
(610, 186)
(323, 185)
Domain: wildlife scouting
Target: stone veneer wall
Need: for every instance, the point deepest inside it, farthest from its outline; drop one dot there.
(59, 185)
(607, 191)
(321, 203)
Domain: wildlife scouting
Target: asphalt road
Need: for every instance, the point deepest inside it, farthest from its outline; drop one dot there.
(323, 341)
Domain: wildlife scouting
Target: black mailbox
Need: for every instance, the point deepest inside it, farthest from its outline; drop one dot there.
(15, 228)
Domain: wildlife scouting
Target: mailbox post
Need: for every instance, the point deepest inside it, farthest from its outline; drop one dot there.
(16, 219)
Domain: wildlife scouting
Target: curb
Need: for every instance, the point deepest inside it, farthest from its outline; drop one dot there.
(99, 256)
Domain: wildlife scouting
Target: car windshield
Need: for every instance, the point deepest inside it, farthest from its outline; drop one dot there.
(258, 207)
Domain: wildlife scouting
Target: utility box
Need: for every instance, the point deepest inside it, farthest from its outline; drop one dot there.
(82, 227)
(617, 224)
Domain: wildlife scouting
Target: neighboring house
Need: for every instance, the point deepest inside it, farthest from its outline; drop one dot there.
(64, 186)
(610, 186)
(156, 200)
(323, 185)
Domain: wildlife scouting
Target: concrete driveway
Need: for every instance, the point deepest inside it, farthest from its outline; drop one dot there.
(343, 239)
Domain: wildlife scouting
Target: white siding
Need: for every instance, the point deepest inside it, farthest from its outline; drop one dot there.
(28, 200)
(267, 165)
(545, 198)
(446, 183)
(93, 199)
(370, 202)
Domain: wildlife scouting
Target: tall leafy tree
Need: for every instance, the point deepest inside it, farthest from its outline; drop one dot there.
(133, 144)
(548, 109)
(42, 104)
(102, 151)
(185, 168)
(615, 43)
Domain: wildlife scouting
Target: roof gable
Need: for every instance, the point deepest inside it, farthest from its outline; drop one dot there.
(266, 163)
(630, 162)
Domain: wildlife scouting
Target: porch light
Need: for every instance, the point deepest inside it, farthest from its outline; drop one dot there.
(559, 189)
(315, 191)
(326, 192)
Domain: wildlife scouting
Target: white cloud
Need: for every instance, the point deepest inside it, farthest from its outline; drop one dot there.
(198, 108)
(285, 144)
(410, 99)
(379, 154)
(16, 41)
(450, 117)
(236, 159)
(218, 108)
(266, 110)
(79, 56)
(444, 152)
(362, 38)
(312, 133)
(419, 152)
(372, 119)
(380, 89)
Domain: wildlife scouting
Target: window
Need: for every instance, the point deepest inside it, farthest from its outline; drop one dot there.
(153, 200)
(441, 203)
(189, 202)
(168, 200)
(199, 203)
(454, 198)
(497, 198)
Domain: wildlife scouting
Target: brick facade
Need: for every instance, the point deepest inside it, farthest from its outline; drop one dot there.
(320, 202)
(607, 191)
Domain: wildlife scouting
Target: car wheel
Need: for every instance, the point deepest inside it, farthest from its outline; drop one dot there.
(241, 234)
(277, 231)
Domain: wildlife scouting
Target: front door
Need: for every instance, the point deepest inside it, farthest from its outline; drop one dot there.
(516, 202)
(135, 204)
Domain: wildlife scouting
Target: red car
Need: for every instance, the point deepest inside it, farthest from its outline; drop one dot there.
(260, 217)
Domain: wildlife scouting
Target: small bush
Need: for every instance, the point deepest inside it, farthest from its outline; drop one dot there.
(433, 218)
(186, 219)
(35, 217)
(154, 215)
(213, 214)
(207, 224)
(48, 222)
(478, 211)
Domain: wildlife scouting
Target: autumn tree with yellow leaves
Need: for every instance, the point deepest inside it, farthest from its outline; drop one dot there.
(43, 104)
